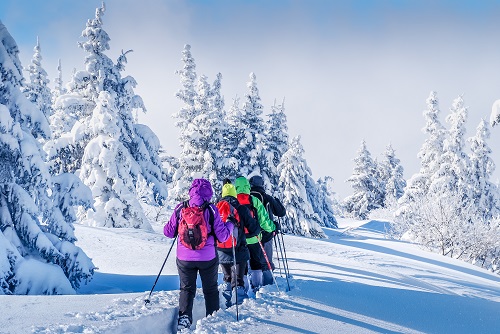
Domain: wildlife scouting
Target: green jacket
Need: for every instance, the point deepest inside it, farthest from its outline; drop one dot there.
(243, 190)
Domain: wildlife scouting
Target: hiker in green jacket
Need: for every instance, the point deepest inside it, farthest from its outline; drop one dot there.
(260, 273)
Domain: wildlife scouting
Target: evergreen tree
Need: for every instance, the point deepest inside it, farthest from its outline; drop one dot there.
(456, 215)
(206, 135)
(453, 173)
(364, 181)
(300, 217)
(232, 133)
(319, 195)
(212, 130)
(37, 91)
(187, 94)
(216, 99)
(391, 177)
(72, 110)
(276, 143)
(58, 84)
(337, 205)
(219, 127)
(69, 192)
(76, 115)
(195, 160)
(485, 193)
(109, 170)
(159, 213)
(429, 154)
(170, 165)
(252, 161)
(37, 251)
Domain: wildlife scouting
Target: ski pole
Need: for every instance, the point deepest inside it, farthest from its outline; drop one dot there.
(286, 261)
(284, 251)
(281, 252)
(284, 258)
(268, 264)
(147, 301)
(235, 274)
(277, 253)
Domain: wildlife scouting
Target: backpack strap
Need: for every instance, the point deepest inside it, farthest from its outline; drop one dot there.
(231, 212)
(252, 208)
(258, 195)
(267, 204)
(185, 204)
(204, 206)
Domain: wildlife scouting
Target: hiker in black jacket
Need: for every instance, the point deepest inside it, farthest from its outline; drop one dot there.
(274, 209)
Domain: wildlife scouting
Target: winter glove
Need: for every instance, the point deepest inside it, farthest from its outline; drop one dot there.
(278, 226)
(233, 220)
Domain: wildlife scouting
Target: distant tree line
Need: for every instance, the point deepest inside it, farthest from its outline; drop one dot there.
(451, 205)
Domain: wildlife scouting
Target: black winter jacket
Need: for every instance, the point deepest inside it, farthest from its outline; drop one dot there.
(272, 204)
(246, 221)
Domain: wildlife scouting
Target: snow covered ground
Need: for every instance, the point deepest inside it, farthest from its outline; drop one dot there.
(357, 281)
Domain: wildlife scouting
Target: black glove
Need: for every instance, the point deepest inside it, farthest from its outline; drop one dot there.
(278, 226)
(234, 221)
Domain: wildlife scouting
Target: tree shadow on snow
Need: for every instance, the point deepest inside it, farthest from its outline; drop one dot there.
(106, 283)
(425, 311)
(322, 312)
(390, 251)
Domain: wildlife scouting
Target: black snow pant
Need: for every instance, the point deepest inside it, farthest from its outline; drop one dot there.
(231, 276)
(257, 259)
(188, 271)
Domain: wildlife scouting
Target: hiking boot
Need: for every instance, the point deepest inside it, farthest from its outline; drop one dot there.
(241, 294)
(183, 322)
(256, 279)
(247, 284)
(227, 292)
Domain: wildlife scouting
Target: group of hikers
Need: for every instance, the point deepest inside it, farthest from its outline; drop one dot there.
(235, 232)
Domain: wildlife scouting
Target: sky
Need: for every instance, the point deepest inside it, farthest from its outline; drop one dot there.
(347, 70)
(356, 281)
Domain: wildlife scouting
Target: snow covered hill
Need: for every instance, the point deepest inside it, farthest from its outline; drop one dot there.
(356, 281)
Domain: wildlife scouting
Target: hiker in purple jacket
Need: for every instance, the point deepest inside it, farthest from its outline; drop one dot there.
(204, 260)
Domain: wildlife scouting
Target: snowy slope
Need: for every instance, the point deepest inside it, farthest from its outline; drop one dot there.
(354, 282)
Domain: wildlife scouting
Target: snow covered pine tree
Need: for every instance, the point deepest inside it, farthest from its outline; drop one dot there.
(37, 251)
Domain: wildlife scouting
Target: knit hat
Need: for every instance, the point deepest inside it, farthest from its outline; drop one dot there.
(256, 181)
(242, 185)
(228, 190)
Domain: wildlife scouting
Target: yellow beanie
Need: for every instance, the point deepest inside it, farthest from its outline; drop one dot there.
(228, 190)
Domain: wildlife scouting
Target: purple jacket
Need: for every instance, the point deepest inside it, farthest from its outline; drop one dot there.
(200, 192)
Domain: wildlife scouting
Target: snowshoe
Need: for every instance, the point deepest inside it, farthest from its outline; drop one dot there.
(227, 293)
(183, 323)
(242, 295)
(267, 277)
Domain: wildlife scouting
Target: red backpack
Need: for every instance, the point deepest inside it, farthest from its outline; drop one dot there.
(228, 212)
(192, 228)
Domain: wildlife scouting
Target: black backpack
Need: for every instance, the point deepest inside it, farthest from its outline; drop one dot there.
(266, 236)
